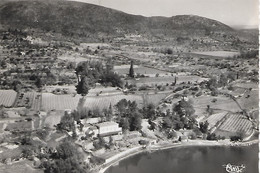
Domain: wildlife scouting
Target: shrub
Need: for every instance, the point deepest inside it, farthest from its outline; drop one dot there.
(211, 136)
(235, 138)
(143, 142)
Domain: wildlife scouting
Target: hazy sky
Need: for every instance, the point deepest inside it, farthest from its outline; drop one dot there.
(231, 12)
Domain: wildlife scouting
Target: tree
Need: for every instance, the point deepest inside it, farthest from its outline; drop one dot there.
(39, 82)
(100, 143)
(66, 123)
(167, 123)
(131, 70)
(211, 136)
(136, 122)
(152, 125)
(17, 85)
(67, 159)
(183, 108)
(124, 123)
(83, 86)
(149, 111)
(204, 126)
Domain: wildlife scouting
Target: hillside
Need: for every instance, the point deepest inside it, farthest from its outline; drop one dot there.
(87, 20)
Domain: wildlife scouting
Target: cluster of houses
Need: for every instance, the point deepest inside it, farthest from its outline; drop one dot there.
(93, 128)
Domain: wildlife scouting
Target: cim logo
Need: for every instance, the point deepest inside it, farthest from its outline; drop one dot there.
(234, 169)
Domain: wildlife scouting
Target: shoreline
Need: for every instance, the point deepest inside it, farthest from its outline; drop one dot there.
(189, 143)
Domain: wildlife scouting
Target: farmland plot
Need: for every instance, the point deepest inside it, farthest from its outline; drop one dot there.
(215, 118)
(59, 102)
(250, 100)
(223, 103)
(156, 98)
(102, 102)
(124, 69)
(62, 102)
(236, 123)
(29, 99)
(36, 105)
(218, 53)
(25, 99)
(166, 79)
(7, 97)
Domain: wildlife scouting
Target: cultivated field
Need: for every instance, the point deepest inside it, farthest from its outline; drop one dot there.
(166, 79)
(215, 118)
(234, 124)
(124, 69)
(218, 53)
(102, 102)
(156, 98)
(59, 102)
(62, 102)
(7, 97)
(25, 99)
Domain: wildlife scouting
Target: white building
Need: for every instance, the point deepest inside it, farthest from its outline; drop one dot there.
(108, 129)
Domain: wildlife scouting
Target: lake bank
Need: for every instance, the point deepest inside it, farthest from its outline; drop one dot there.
(168, 145)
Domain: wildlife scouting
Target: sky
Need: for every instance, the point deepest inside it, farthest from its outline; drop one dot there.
(230, 12)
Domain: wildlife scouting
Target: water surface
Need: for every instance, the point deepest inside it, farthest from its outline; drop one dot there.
(200, 159)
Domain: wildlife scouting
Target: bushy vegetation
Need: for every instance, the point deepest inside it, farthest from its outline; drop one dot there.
(129, 115)
(180, 117)
(94, 72)
(67, 159)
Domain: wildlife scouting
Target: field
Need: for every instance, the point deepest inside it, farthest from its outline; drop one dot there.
(62, 102)
(156, 98)
(29, 100)
(21, 166)
(124, 69)
(25, 99)
(20, 126)
(53, 118)
(246, 85)
(222, 103)
(234, 124)
(250, 100)
(215, 118)
(165, 79)
(36, 105)
(218, 53)
(58, 102)
(7, 97)
(104, 101)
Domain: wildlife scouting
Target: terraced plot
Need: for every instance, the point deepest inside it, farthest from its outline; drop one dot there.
(215, 118)
(236, 123)
(7, 97)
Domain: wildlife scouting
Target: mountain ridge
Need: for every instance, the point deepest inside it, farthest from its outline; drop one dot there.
(82, 19)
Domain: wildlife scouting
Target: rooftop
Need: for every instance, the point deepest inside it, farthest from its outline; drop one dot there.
(104, 124)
